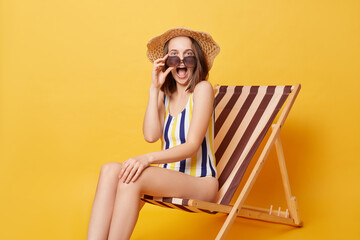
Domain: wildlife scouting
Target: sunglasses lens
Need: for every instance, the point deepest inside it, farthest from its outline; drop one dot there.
(172, 61)
(190, 61)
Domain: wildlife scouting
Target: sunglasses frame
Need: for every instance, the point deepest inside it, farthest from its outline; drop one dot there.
(185, 60)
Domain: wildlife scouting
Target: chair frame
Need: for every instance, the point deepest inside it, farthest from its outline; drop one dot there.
(288, 217)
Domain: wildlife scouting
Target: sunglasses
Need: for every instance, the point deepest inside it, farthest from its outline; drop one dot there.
(173, 61)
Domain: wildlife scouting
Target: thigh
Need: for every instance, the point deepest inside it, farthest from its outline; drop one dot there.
(158, 181)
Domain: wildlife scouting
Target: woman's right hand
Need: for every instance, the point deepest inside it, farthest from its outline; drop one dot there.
(158, 76)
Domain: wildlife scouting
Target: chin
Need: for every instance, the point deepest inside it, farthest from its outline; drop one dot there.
(184, 82)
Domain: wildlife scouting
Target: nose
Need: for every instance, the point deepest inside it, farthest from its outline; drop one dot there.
(182, 62)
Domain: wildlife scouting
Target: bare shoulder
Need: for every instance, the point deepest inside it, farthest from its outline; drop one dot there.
(203, 89)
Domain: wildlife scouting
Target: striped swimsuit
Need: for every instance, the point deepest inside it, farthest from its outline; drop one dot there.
(175, 133)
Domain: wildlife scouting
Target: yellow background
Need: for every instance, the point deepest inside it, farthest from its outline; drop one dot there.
(74, 85)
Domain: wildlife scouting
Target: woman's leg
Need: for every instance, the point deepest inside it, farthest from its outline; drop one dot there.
(158, 182)
(103, 204)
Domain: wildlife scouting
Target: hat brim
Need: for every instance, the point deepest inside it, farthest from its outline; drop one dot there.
(207, 44)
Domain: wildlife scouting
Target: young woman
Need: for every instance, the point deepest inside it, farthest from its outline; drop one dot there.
(180, 113)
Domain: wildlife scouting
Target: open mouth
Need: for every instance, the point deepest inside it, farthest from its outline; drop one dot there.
(181, 72)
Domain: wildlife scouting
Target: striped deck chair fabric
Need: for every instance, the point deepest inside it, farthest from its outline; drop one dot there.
(243, 116)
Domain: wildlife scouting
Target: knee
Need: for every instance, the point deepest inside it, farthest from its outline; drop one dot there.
(110, 169)
(138, 186)
(131, 187)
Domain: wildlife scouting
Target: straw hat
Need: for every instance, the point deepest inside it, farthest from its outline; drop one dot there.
(209, 47)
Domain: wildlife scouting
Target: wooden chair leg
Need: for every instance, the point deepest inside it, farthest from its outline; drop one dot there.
(227, 224)
(291, 200)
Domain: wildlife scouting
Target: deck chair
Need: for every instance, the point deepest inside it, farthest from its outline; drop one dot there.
(243, 115)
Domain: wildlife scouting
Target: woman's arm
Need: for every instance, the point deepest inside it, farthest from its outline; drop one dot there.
(153, 120)
(202, 112)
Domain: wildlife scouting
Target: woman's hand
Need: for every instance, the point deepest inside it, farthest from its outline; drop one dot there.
(132, 168)
(158, 76)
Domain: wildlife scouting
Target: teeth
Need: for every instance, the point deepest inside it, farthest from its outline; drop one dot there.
(181, 72)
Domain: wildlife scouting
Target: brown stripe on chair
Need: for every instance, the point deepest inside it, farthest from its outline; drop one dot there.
(147, 197)
(185, 202)
(220, 95)
(241, 170)
(151, 199)
(167, 202)
(157, 203)
(238, 119)
(247, 134)
(167, 199)
(227, 109)
(183, 208)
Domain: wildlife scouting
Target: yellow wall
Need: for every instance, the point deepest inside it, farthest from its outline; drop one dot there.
(74, 84)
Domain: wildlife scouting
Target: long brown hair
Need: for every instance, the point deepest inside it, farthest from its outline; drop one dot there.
(201, 71)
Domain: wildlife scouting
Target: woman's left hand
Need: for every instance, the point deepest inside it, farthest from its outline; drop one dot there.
(132, 168)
